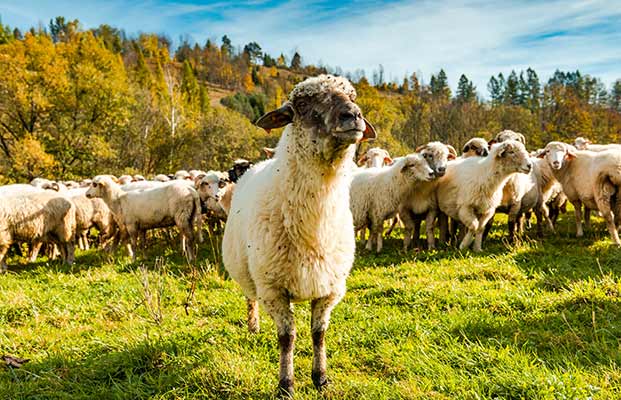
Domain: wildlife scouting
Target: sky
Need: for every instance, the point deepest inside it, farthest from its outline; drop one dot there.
(479, 38)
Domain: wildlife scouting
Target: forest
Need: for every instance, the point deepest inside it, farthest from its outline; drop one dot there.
(78, 102)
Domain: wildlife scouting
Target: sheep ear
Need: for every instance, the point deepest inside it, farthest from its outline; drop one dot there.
(466, 149)
(363, 158)
(269, 152)
(452, 152)
(570, 155)
(369, 131)
(501, 151)
(420, 148)
(491, 142)
(277, 118)
(522, 139)
(388, 160)
(541, 154)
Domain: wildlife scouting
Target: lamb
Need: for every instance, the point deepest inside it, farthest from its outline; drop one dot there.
(589, 178)
(289, 236)
(136, 211)
(375, 157)
(37, 217)
(418, 204)
(215, 190)
(376, 193)
(475, 147)
(472, 187)
(582, 143)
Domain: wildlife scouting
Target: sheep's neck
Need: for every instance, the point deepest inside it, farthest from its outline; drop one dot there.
(497, 176)
(111, 197)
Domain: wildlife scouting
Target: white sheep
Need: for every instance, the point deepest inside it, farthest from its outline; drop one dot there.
(589, 178)
(471, 189)
(421, 201)
(19, 189)
(582, 143)
(174, 204)
(37, 217)
(375, 157)
(376, 193)
(475, 147)
(289, 236)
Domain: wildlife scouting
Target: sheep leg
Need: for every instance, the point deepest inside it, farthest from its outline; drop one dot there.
(34, 251)
(603, 200)
(471, 222)
(321, 310)
(443, 224)
(3, 250)
(416, 234)
(429, 225)
(408, 221)
(280, 309)
(253, 315)
(578, 214)
(379, 239)
(587, 218)
(480, 229)
(68, 253)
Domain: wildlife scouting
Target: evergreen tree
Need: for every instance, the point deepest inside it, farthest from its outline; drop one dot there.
(439, 86)
(296, 61)
(141, 71)
(615, 96)
(496, 91)
(253, 51)
(227, 47)
(189, 84)
(466, 91)
(512, 90)
(533, 99)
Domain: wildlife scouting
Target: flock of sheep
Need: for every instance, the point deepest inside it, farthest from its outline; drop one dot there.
(291, 220)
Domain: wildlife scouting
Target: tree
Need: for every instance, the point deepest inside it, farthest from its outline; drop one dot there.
(5, 33)
(439, 86)
(466, 91)
(496, 91)
(227, 47)
(253, 51)
(512, 90)
(62, 30)
(296, 61)
(533, 96)
(615, 96)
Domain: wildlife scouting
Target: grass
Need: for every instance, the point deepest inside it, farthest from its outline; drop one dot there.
(539, 320)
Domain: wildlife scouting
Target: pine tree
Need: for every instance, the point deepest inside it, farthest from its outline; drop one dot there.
(439, 86)
(466, 91)
(615, 96)
(533, 101)
(496, 91)
(296, 61)
(189, 84)
(512, 90)
(227, 47)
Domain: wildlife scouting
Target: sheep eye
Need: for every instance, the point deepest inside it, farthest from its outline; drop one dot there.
(94, 184)
(221, 184)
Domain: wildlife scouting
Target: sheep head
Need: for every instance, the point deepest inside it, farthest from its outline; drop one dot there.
(475, 147)
(512, 156)
(508, 134)
(212, 185)
(416, 167)
(556, 153)
(581, 143)
(323, 111)
(437, 156)
(100, 187)
(374, 158)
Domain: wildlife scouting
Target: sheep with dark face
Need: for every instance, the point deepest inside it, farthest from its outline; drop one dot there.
(239, 168)
(289, 236)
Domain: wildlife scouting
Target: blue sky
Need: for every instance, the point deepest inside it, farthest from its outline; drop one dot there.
(475, 37)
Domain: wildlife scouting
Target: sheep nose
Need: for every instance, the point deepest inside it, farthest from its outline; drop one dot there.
(555, 163)
(440, 171)
(347, 115)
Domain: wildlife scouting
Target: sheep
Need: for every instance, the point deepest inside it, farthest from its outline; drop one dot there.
(215, 186)
(37, 217)
(289, 236)
(182, 174)
(417, 205)
(375, 157)
(376, 193)
(475, 147)
(92, 212)
(581, 143)
(507, 134)
(125, 179)
(159, 207)
(589, 178)
(471, 189)
(138, 178)
(18, 189)
(161, 178)
(240, 167)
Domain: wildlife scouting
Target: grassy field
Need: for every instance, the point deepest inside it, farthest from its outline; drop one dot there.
(541, 320)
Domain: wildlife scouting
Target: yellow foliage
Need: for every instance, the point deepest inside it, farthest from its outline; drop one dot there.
(30, 159)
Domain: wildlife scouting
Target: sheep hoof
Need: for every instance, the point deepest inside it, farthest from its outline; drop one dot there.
(320, 380)
(285, 389)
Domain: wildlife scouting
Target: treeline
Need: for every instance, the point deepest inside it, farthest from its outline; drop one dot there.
(77, 102)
